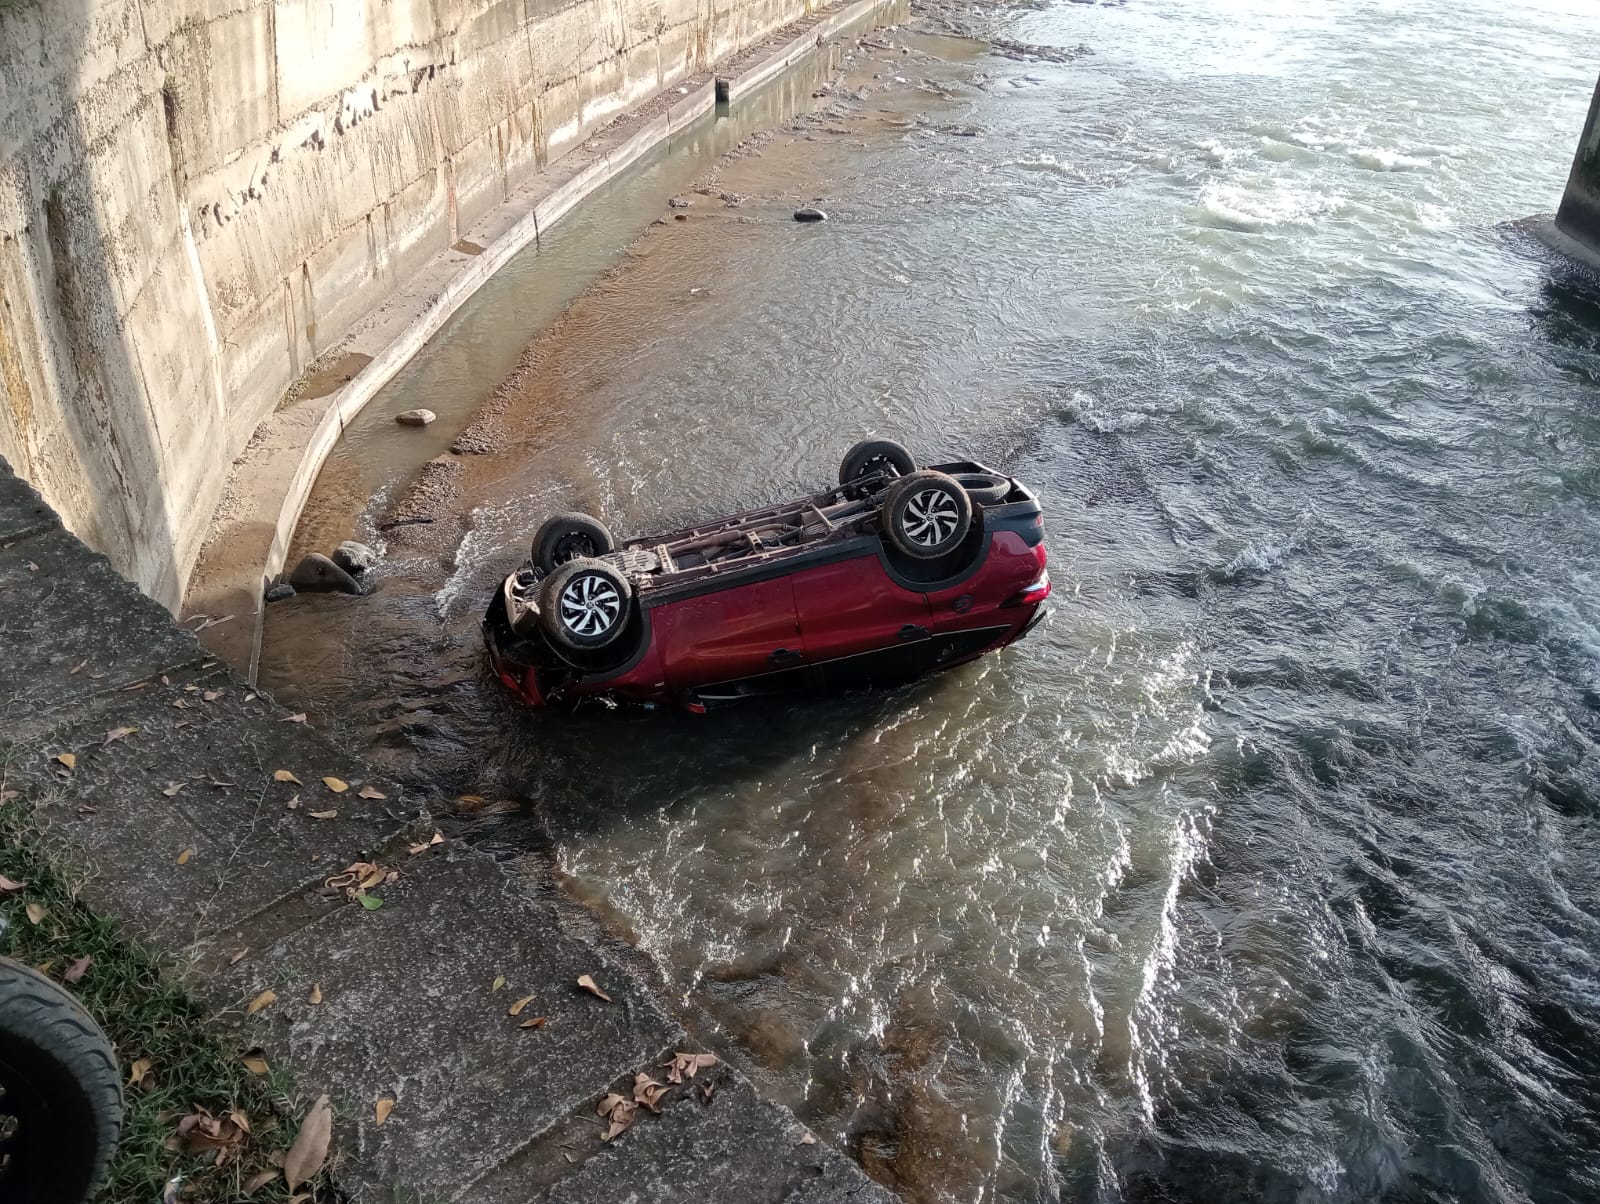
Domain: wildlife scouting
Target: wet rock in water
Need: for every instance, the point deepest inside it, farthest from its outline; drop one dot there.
(807, 214)
(317, 574)
(416, 417)
(680, 217)
(354, 557)
(280, 592)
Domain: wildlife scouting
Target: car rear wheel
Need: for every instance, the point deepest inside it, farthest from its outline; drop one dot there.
(875, 456)
(564, 537)
(927, 514)
(584, 605)
(984, 488)
(60, 1092)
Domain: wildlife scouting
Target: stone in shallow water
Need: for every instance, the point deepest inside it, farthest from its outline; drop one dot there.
(807, 214)
(415, 417)
(354, 557)
(317, 574)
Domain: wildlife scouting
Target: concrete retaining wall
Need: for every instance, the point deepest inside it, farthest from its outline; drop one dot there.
(200, 197)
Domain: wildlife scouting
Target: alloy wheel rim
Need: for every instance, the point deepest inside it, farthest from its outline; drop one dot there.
(931, 517)
(590, 605)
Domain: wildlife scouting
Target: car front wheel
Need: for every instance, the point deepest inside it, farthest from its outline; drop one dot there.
(564, 537)
(584, 605)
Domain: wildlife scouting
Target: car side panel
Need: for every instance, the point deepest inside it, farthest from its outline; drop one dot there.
(744, 631)
(852, 606)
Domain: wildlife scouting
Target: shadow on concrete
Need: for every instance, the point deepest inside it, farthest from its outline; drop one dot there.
(78, 422)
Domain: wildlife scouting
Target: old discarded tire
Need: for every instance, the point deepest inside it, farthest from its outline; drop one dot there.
(927, 514)
(984, 488)
(584, 605)
(564, 537)
(872, 456)
(60, 1093)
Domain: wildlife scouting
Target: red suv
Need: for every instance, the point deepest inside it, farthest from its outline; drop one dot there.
(894, 572)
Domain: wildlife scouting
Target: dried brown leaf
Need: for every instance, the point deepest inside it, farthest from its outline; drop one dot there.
(70, 760)
(264, 1000)
(536, 1022)
(609, 1101)
(138, 1072)
(255, 1065)
(373, 876)
(293, 803)
(516, 1008)
(259, 1180)
(809, 1139)
(371, 792)
(183, 857)
(239, 956)
(211, 695)
(648, 1092)
(385, 1106)
(9, 886)
(588, 984)
(118, 733)
(76, 669)
(283, 775)
(36, 912)
(310, 1148)
(299, 718)
(316, 994)
(78, 969)
(337, 785)
(323, 814)
(172, 790)
(621, 1118)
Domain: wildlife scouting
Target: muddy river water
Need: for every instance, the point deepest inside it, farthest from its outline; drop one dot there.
(1268, 868)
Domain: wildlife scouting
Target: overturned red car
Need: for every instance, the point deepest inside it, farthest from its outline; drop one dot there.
(897, 571)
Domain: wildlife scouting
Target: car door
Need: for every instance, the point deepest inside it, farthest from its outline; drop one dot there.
(747, 633)
(858, 624)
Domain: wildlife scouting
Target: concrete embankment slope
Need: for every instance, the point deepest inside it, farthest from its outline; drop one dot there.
(172, 811)
(197, 200)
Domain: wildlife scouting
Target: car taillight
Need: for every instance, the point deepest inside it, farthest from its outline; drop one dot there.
(1032, 594)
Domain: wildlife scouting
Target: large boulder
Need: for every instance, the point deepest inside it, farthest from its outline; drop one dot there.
(354, 557)
(317, 574)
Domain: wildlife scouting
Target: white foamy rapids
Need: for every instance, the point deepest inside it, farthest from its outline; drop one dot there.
(1377, 159)
(1086, 411)
(1261, 556)
(1241, 207)
(1048, 164)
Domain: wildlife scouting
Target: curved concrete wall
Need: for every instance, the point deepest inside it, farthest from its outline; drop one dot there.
(199, 197)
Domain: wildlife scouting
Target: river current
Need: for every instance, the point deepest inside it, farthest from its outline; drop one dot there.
(1268, 868)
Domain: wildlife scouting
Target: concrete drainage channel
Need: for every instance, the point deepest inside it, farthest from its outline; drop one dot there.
(402, 1013)
(396, 1012)
(271, 482)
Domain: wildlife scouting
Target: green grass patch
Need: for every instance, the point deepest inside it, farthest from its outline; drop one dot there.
(134, 996)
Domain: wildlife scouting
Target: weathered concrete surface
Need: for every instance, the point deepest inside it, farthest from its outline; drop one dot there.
(173, 812)
(272, 478)
(198, 200)
(1579, 215)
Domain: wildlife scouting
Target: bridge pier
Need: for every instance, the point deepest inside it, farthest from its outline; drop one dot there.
(1574, 231)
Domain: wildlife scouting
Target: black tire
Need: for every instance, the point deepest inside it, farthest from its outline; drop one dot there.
(875, 456)
(584, 605)
(564, 537)
(984, 488)
(60, 1093)
(927, 514)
